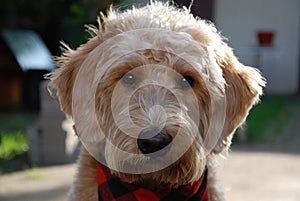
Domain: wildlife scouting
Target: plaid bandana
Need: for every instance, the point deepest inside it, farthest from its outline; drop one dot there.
(110, 188)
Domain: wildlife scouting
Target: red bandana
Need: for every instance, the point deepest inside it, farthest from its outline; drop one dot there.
(110, 188)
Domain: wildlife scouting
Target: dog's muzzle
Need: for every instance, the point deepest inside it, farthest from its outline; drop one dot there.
(153, 140)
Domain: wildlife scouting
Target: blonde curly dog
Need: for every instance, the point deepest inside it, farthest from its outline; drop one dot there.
(155, 95)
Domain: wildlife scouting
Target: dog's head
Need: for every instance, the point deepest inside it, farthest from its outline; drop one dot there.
(154, 92)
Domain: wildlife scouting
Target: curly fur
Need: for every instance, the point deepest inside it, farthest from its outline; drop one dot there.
(157, 37)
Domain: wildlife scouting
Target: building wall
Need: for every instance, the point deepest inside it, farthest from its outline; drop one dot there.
(239, 20)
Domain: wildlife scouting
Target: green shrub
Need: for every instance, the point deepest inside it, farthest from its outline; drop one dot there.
(15, 122)
(13, 144)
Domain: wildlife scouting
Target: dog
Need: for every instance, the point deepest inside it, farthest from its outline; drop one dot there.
(155, 94)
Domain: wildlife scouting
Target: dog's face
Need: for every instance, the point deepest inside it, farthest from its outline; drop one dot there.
(149, 112)
(151, 97)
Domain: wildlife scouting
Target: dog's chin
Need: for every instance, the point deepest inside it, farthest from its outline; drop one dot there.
(182, 172)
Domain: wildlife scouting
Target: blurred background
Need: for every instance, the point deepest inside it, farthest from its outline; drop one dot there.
(38, 147)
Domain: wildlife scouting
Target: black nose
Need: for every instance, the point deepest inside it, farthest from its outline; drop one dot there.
(151, 141)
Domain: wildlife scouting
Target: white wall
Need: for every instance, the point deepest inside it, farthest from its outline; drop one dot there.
(239, 20)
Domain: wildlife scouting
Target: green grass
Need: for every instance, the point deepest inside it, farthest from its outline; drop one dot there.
(267, 119)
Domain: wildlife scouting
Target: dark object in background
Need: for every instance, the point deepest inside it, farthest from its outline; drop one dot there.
(26, 59)
(200, 8)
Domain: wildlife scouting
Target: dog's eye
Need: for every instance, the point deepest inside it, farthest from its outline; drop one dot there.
(128, 80)
(186, 82)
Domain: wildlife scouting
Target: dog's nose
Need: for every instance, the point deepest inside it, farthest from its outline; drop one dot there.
(152, 141)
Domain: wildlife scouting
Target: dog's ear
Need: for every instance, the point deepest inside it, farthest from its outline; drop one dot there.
(243, 89)
(62, 79)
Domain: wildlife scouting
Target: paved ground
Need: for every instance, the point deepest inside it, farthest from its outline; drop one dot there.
(247, 176)
(260, 173)
(261, 176)
(43, 184)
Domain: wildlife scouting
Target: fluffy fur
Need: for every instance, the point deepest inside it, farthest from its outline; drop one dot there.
(158, 44)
